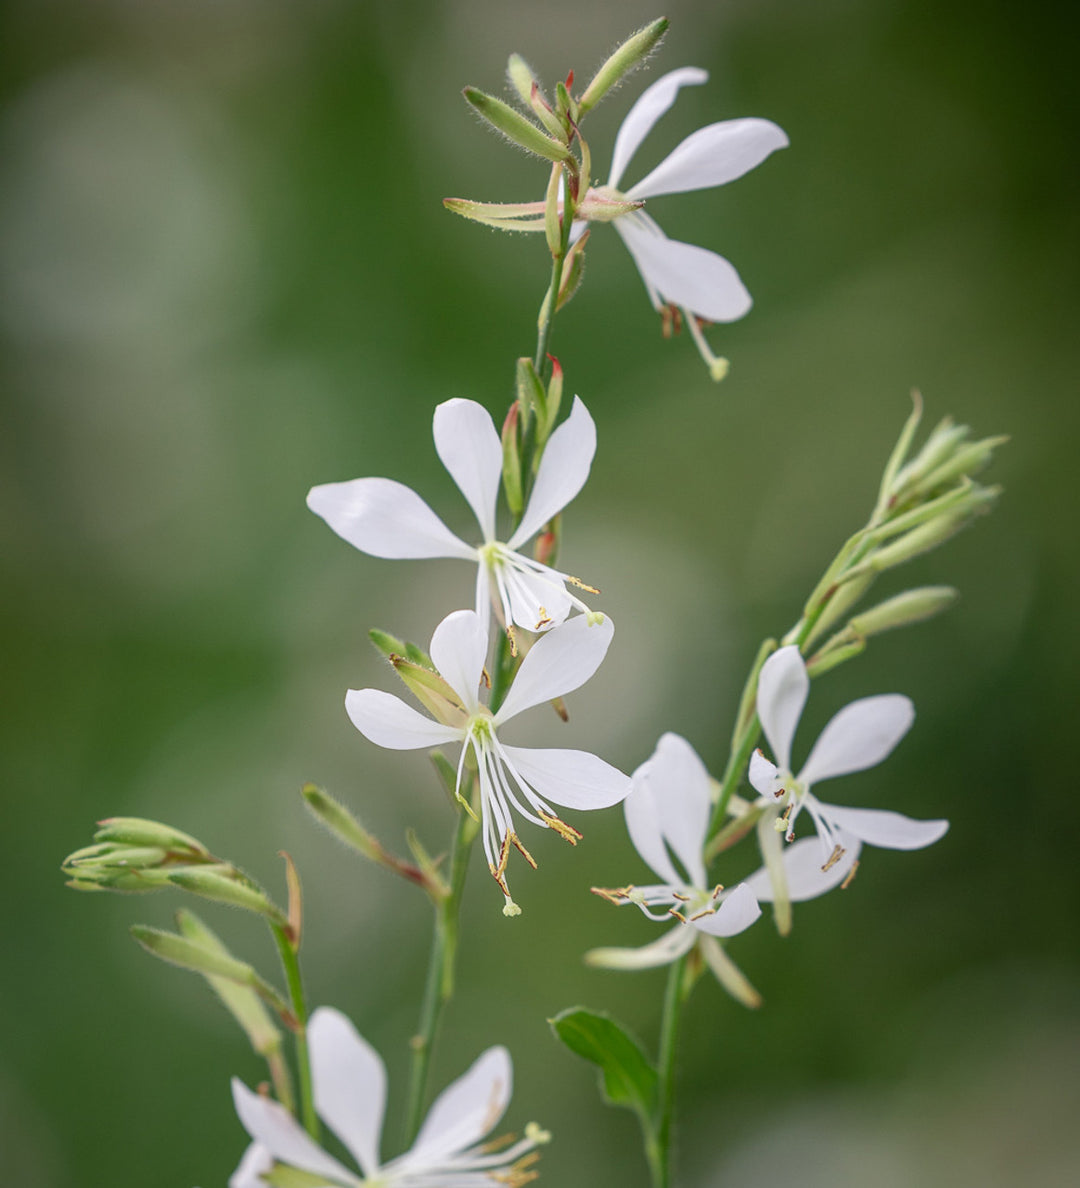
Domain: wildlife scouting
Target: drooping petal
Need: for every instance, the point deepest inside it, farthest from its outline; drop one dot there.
(803, 877)
(272, 1126)
(782, 690)
(458, 650)
(891, 831)
(558, 663)
(651, 104)
(385, 518)
(538, 601)
(712, 156)
(388, 722)
(682, 794)
(859, 736)
(249, 1171)
(728, 974)
(737, 912)
(670, 947)
(470, 449)
(350, 1085)
(685, 274)
(763, 774)
(563, 470)
(465, 1111)
(644, 823)
(573, 779)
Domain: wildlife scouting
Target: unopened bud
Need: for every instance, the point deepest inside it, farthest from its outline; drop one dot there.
(573, 271)
(431, 690)
(136, 831)
(511, 467)
(913, 606)
(531, 396)
(337, 818)
(516, 128)
(968, 460)
(225, 884)
(626, 58)
(522, 78)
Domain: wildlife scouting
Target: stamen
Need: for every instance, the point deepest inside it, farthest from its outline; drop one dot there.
(717, 890)
(678, 915)
(615, 895)
(522, 851)
(834, 858)
(704, 912)
(679, 895)
(513, 642)
(580, 584)
(566, 832)
(850, 875)
(485, 677)
(545, 619)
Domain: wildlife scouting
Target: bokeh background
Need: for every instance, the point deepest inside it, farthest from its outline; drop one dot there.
(226, 276)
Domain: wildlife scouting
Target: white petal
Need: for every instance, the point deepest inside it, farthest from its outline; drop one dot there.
(651, 104)
(684, 274)
(563, 470)
(465, 1111)
(350, 1085)
(728, 974)
(802, 862)
(782, 689)
(471, 451)
(249, 1172)
(763, 774)
(859, 736)
(272, 1126)
(712, 156)
(538, 601)
(737, 912)
(774, 873)
(388, 722)
(644, 824)
(385, 519)
(682, 794)
(892, 831)
(558, 663)
(458, 650)
(671, 946)
(574, 779)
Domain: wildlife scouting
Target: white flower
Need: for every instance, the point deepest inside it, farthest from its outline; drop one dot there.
(667, 815)
(682, 274)
(387, 519)
(861, 735)
(350, 1095)
(523, 778)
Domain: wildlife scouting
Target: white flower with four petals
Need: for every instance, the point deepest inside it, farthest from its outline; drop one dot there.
(667, 815)
(350, 1096)
(387, 519)
(683, 274)
(526, 779)
(860, 736)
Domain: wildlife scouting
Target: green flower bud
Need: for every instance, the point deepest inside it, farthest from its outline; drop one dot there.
(913, 606)
(433, 693)
(135, 831)
(225, 884)
(626, 58)
(516, 128)
(511, 468)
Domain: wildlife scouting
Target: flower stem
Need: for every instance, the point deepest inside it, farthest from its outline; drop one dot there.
(439, 988)
(291, 965)
(658, 1148)
(547, 314)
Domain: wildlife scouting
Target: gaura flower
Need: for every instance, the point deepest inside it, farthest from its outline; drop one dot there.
(667, 815)
(387, 519)
(350, 1096)
(860, 736)
(525, 779)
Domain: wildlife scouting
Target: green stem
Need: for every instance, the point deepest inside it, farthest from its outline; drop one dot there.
(439, 988)
(548, 308)
(291, 964)
(658, 1147)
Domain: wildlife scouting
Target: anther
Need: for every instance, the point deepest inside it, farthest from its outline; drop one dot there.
(485, 677)
(522, 851)
(679, 895)
(677, 914)
(704, 912)
(581, 585)
(850, 876)
(566, 832)
(834, 858)
(716, 892)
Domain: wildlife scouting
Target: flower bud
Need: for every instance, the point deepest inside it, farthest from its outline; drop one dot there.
(433, 693)
(965, 461)
(135, 831)
(532, 399)
(626, 58)
(225, 884)
(511, 468)
(913, 606)
(516, 128)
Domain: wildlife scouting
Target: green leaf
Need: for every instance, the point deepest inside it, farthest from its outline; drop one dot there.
(627, 1077)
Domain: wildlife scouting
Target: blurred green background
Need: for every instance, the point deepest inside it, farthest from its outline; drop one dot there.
(226, 276)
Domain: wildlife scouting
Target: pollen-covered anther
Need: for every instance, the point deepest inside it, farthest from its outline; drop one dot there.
(703, 913)
(850, 876)
(513, 640)
(680, 896)
(581, 585)
(716, 890)
(544, 620)
(485, 677)
(566, 832)
(520, 849)
(834, 858)
(615, 895)
(677, 914)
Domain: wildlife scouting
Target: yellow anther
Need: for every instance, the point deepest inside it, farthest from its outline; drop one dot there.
(834, 858)
(704, 912)
(716, 890)
(522, 851)
(513, 639)
(566, 832)
(677, 914)
(679, 895)
(581, 585)
(850, 875)
(485, 677)
(544, 620)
